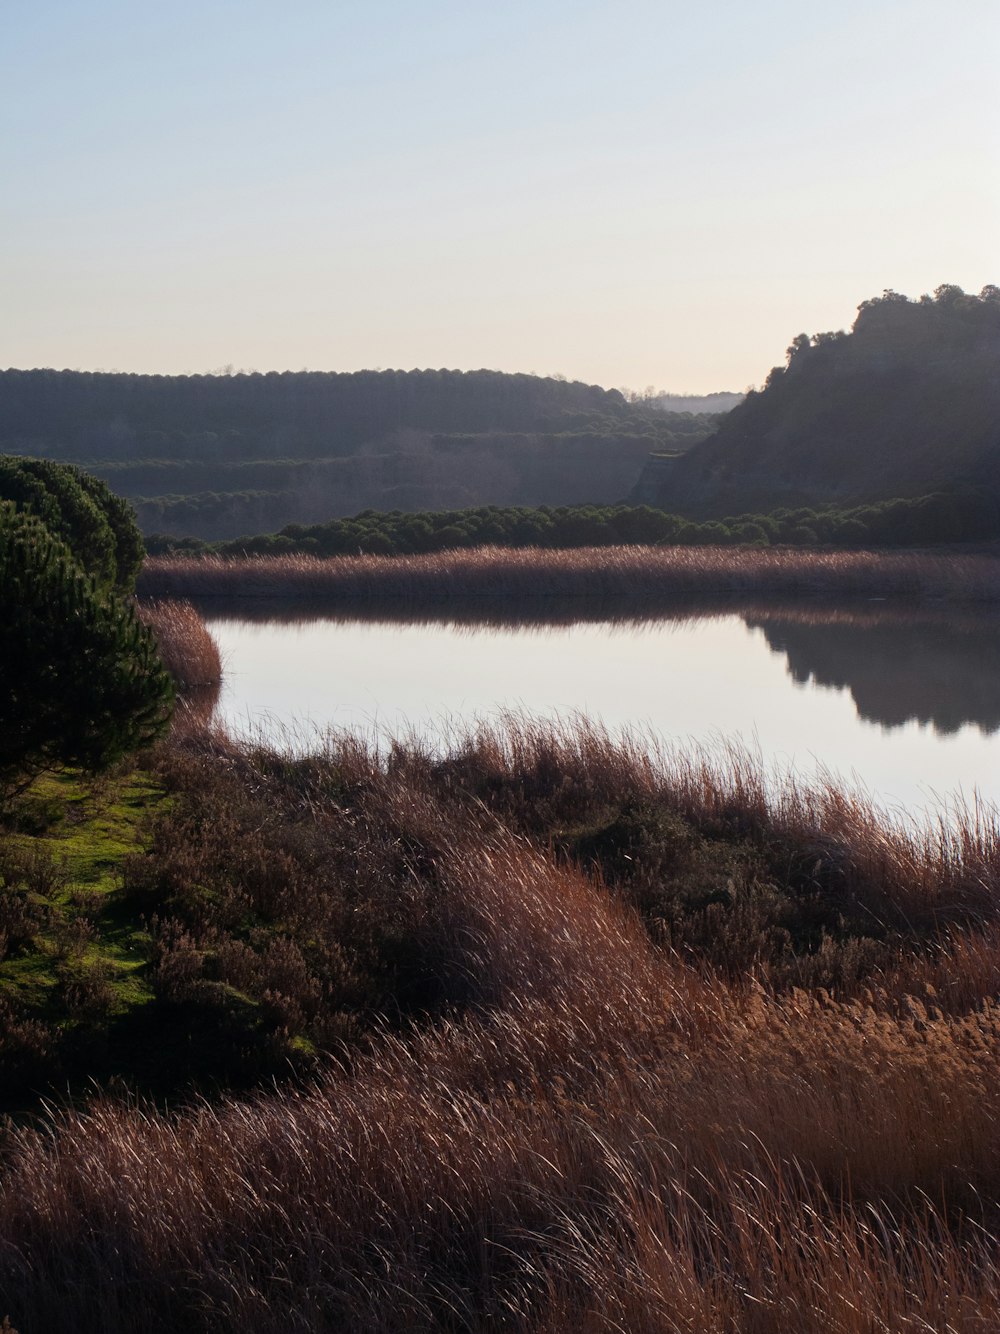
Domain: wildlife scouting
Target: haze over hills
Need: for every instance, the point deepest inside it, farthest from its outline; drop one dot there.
(720, 402)
(220, 456)
(905, 404)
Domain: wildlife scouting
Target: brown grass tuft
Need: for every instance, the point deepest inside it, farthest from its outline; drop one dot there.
(186, 645)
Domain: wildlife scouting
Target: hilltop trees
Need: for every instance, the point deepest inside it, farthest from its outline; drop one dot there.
(220, 455)
(905, 404)
(81, 682)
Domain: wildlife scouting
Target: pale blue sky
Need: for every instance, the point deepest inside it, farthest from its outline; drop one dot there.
(631, 194)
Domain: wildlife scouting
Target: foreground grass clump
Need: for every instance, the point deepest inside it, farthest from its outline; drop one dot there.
(185, 644)
(657, 574)
(596, 1036)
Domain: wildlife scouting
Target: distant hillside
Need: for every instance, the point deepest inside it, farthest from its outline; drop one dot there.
(218, 456)
(905, 404)
(721, 402)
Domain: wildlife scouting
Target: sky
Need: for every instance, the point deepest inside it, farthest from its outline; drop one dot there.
(632, 194)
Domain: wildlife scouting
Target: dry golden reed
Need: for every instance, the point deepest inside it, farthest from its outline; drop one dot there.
(605, 1134)
(186, 645)
(613, 572)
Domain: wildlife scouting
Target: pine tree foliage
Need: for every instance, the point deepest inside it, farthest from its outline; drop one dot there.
(81, 681)
(98, 527)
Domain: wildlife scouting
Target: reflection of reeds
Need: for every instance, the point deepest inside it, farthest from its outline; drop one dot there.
(186, 645)
(602, 1134)
(630, 613)
(195, 708)
(604, 572)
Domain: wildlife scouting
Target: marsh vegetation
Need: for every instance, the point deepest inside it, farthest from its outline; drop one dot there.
(565, 1032)
(658, 574)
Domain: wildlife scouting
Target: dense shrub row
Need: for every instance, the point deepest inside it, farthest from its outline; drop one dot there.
(923, 521)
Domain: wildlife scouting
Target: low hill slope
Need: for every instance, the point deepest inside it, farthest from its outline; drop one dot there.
(218, 455)
(905, 404)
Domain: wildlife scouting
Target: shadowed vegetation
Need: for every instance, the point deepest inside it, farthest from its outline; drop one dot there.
(595, 1035)
(218, 455)
(927, 521)
(81, 682)
(905, 404)
(187, 648)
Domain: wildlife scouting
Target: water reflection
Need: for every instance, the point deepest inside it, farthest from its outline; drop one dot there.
(195, 707)
(900, 663)
(472, 614)
(904, 699)
(937, 670)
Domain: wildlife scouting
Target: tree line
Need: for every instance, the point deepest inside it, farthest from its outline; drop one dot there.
(923, 521)
(86, 416)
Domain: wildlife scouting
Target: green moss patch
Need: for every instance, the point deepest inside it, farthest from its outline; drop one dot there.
(73, 962)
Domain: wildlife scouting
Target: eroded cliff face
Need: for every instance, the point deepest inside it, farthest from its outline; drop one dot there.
(220, 456)
(906, 403)
(422, 472)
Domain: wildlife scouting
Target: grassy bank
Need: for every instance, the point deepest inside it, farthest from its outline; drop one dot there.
(658, 574)
(566, 1031)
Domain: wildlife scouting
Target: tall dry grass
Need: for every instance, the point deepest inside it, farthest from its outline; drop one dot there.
(191, 656)
(606, 572)
(187, 647)
(540, 775)
(594, 1131)
(629, 1146)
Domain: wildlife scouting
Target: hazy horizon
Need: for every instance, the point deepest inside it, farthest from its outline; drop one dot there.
(630, 196)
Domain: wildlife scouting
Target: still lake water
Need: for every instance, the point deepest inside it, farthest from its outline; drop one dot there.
(905, 703)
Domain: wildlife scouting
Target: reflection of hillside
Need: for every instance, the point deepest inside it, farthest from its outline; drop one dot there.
(941, 671)
(899, 662)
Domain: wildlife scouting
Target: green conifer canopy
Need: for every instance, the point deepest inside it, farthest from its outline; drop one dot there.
(81, 682)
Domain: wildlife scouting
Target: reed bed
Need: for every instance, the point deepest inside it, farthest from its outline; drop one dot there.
(189, 652)
(658, 1085)
(658, 573)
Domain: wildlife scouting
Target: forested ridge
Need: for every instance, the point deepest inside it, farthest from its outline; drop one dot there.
(215, 456)
(105, 415)
(905, 404)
